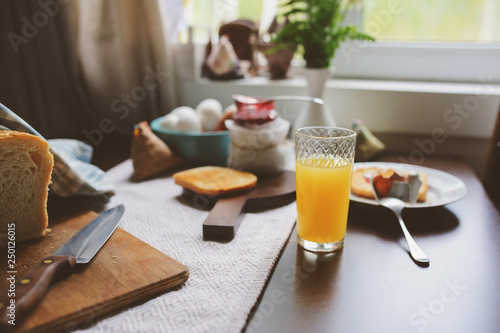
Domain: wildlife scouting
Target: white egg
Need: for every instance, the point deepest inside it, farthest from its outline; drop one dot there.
(210, 112)
(182, 109)
(169, 122)
(188, 122)
(231, 108)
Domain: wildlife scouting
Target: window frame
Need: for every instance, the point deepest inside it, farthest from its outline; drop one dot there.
(415, 61)
(442, 62)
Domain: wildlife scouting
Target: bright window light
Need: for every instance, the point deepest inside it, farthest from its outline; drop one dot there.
(433, 21)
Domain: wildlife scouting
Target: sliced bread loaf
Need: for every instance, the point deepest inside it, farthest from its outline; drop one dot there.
(25, 172)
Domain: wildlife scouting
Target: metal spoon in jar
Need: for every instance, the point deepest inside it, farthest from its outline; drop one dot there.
(254, 100)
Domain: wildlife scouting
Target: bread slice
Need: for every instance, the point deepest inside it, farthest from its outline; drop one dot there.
(361, 186)
(25, 172)
(216, 181)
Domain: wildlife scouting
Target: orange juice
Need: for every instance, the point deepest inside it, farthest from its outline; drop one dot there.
(323, 188)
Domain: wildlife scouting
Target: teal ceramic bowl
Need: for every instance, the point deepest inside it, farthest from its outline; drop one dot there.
(207, 148)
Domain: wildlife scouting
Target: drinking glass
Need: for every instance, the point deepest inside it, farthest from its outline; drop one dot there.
(324, 158)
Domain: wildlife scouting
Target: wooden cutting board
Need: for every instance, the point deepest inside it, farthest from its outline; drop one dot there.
(126, 270)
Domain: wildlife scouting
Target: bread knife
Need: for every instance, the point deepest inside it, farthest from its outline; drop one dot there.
(79, 249)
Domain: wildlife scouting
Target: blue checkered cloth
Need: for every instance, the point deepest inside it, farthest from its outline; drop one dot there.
(72, 173)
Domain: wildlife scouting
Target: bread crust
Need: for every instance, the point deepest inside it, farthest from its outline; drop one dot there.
(361, 186)
(216, 181)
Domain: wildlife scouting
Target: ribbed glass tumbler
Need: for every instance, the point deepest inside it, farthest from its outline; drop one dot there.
(324, 158)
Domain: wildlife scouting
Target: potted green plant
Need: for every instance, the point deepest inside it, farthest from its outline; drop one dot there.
(318, 30)
(316, 26)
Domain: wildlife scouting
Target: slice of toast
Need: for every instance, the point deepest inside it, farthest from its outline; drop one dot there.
(216, 181)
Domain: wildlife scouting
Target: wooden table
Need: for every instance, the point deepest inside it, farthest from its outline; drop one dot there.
(374, 286)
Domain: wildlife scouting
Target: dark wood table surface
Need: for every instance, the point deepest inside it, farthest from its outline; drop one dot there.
(373, 285)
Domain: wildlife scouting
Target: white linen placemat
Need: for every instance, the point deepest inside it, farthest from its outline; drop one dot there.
(225, 278)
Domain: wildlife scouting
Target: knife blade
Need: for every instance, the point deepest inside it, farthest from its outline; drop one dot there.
(79, 249)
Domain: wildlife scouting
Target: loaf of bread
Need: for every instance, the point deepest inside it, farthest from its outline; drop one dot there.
(25, 172)
(216, 181)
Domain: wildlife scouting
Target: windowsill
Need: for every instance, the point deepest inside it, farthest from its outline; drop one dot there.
(456, 88)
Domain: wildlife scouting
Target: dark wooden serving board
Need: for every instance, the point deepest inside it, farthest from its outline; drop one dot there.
(224, 218)
(126, 270)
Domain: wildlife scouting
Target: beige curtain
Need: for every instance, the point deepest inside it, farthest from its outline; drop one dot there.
(85, 69)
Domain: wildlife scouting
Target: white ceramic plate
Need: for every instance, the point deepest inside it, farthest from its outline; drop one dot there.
(443, 187)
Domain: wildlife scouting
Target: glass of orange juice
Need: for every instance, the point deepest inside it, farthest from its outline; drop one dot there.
(324, 157)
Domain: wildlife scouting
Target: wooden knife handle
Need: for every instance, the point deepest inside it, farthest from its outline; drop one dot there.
(15, 305)
(223, 220)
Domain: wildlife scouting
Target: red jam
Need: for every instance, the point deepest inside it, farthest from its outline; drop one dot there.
(253, 111)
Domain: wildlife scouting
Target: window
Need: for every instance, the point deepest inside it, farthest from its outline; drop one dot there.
(433, 21)
(445, 40)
